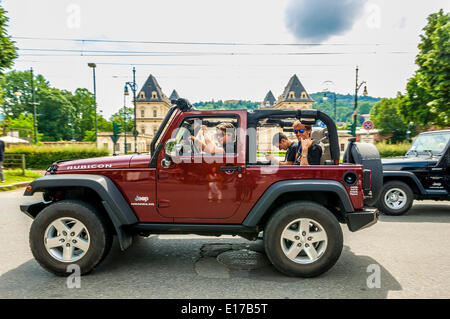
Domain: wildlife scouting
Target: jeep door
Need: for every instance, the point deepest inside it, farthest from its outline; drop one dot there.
(198, 184)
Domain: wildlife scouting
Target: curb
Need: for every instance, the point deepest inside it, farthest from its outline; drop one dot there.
(15, 185)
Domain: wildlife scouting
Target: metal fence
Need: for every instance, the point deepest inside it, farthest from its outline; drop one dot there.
(15, 161)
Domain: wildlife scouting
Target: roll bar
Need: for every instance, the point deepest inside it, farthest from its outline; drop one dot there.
(307, 117)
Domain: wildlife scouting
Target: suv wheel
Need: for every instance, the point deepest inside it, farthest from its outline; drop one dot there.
(303, 239)
(395, 199)
(69, 232)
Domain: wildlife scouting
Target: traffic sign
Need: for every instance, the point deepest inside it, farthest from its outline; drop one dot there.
(368, 125)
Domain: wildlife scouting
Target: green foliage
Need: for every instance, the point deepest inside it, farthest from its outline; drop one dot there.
(392, 150)
(119, 118)
(57, 110)
(427, 101)
(8, 52)
(385, 117)
(41, 157)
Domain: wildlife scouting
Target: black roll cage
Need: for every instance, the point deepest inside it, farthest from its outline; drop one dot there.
(307, 117)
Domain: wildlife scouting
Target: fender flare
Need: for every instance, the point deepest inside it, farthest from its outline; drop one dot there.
(306, 185)
(117, 208)
(408, 175)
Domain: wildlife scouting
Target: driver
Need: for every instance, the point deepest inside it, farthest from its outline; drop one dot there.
(225, 134)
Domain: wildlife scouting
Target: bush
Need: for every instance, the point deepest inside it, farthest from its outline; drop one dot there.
(41, 157)
(392, 150)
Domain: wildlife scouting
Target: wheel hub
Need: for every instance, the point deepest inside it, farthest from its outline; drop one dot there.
(67, 239)
(304, 241)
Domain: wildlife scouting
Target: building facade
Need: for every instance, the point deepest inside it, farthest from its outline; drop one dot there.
(152, 106)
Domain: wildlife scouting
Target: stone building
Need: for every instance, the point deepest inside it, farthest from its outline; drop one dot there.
(152, 106)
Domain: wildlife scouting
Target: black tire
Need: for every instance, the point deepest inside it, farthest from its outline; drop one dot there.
(383, 206)
(100, 238)
(288, 214)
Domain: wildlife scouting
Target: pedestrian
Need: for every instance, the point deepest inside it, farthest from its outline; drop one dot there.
(2, 159)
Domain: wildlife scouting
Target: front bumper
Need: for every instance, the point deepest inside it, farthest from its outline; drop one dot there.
(362, 219)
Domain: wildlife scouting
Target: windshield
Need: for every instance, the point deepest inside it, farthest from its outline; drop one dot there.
(435, 143)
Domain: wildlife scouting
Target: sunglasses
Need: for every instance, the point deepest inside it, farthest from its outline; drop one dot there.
(302, 130)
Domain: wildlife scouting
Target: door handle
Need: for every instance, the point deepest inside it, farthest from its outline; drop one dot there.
(231, 168)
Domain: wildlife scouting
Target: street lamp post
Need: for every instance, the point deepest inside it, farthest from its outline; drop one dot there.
(93, 66)
(125, 124)
(133, 88)
(326, 89)
(355, 112)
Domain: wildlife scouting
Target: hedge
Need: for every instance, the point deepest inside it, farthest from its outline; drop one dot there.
(392, 150)
(41, 157)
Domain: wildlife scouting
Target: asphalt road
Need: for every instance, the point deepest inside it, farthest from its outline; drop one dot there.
(412, 253)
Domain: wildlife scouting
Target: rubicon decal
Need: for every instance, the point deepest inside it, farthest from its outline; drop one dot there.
(89, 166)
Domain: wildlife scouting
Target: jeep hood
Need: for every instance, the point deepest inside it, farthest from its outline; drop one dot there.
(406, 163)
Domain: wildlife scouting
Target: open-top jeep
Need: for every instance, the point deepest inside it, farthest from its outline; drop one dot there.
(179, 188)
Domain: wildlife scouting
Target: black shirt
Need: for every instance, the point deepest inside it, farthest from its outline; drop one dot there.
(314, 154)
(2, 151)
(291, 153)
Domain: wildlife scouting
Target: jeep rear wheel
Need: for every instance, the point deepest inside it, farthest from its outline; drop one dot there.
(303, 239)
(396, 198)
(69, 232)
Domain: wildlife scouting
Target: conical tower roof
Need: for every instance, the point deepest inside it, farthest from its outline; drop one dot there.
(300, 94)
(174, 95)
(269, 100)
(150, 86)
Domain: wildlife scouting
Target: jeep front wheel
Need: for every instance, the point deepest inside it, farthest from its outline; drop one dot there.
(396, 198)
(69, 232)
(303, 239)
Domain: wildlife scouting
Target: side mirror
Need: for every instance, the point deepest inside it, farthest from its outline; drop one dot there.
(170, 147)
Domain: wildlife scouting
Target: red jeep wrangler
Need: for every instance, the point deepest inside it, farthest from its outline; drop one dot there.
(180, 189)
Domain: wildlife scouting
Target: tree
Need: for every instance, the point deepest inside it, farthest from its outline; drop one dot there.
(8, 52)
(386, 118)
(119, 118)
(20, 81)
(428, 91)
(55, 112)
(84, 112)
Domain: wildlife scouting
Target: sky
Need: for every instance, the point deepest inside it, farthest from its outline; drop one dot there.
(209, 49)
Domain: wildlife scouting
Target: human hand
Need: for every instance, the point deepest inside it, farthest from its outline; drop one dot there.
(306, 143)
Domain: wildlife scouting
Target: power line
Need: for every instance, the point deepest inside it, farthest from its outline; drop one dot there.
(204, 43)
(83, 52)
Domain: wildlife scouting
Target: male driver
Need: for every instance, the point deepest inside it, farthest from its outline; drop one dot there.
(307, 152)
(283, 143)
(225, 138)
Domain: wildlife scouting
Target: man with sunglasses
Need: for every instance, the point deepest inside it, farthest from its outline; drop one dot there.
(308, 153)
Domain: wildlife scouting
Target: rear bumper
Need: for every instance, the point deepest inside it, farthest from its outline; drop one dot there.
(362, 219)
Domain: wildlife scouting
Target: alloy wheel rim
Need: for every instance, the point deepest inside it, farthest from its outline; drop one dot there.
(67, 239)
(304, 241)
(395, 198)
